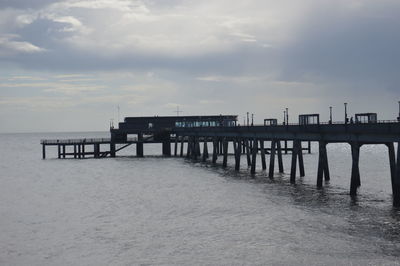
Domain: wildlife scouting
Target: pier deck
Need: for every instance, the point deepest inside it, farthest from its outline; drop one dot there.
(249, 140)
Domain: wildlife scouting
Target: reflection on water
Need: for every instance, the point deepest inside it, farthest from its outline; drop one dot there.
(157, 210)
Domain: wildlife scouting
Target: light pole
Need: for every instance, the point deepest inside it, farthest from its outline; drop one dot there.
(247, 118)
(252, 119)
(345, 113)
(284, 117)
(287, 116)
(330, 115)
(398, 118)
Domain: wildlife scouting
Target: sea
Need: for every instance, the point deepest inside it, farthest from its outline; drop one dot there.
(174, 211)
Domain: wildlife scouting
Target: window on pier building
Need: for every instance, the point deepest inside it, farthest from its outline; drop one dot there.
(309, 119)
(366, 118)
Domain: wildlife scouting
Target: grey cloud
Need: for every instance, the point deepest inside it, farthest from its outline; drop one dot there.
(22, 4)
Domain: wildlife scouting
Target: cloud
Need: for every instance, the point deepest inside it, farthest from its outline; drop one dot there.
(9, 46)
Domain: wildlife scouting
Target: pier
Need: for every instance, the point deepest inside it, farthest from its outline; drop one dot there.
(191, 137)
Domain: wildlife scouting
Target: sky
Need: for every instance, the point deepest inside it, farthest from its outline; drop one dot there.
(68, 65)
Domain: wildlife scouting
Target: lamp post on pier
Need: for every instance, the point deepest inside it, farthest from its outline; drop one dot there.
(398, 118)
(284, 117)
(247, 118)
(287, 116)
(330, 115)
(252, 119)
(345, 113)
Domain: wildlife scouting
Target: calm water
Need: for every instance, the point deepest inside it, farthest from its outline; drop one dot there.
(164, 211)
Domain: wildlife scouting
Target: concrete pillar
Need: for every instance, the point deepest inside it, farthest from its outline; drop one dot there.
(166, 147)
(396, 187)
(139, 146)
(254, 156)
(189, 146)
(272, 159)
(238, 154)
(75, 155)
(295, 152)
(176, 146)
(96, 150)
(392, 164)
(323, 166)
(263, 162)
(182, 144)
(43, 151)
(198, 150)
(79, 151)
(63, 151)
(112, 149)
(301, 161)
(248, 153)
(286, 147)
(215, 150)
(309, 147)
(225, 152)
(59, 151)
(280, 161)
(205, 150)
(355, 170)
(83, 150)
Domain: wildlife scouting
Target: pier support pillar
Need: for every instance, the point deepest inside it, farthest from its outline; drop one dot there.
(286, 147)
(83, 150)
(139, 146)
(248, 152)
(188, 147)
(205, 150)
(309, 147)
(225, 152)
(182, 144)
(215, 151)
(238, 150)
(295, 155)
(396, 186)
(166, 148)
(75, 155)
(301, 161)
(280, 161)
(262, 149)
(176, 146)
(355, 170)
(323, 166)
(392, 163)
(112, 150)
(272, 159)
(254, 156)
(96, 150)
(43, 151)
(63, 151)
(59, 151)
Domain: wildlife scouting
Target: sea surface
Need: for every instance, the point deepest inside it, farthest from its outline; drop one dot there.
(173, 211)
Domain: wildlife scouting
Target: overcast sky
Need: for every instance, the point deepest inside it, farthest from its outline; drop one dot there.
(67, 65)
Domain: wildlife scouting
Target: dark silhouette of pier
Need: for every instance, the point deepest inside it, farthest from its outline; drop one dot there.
(191, 136)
